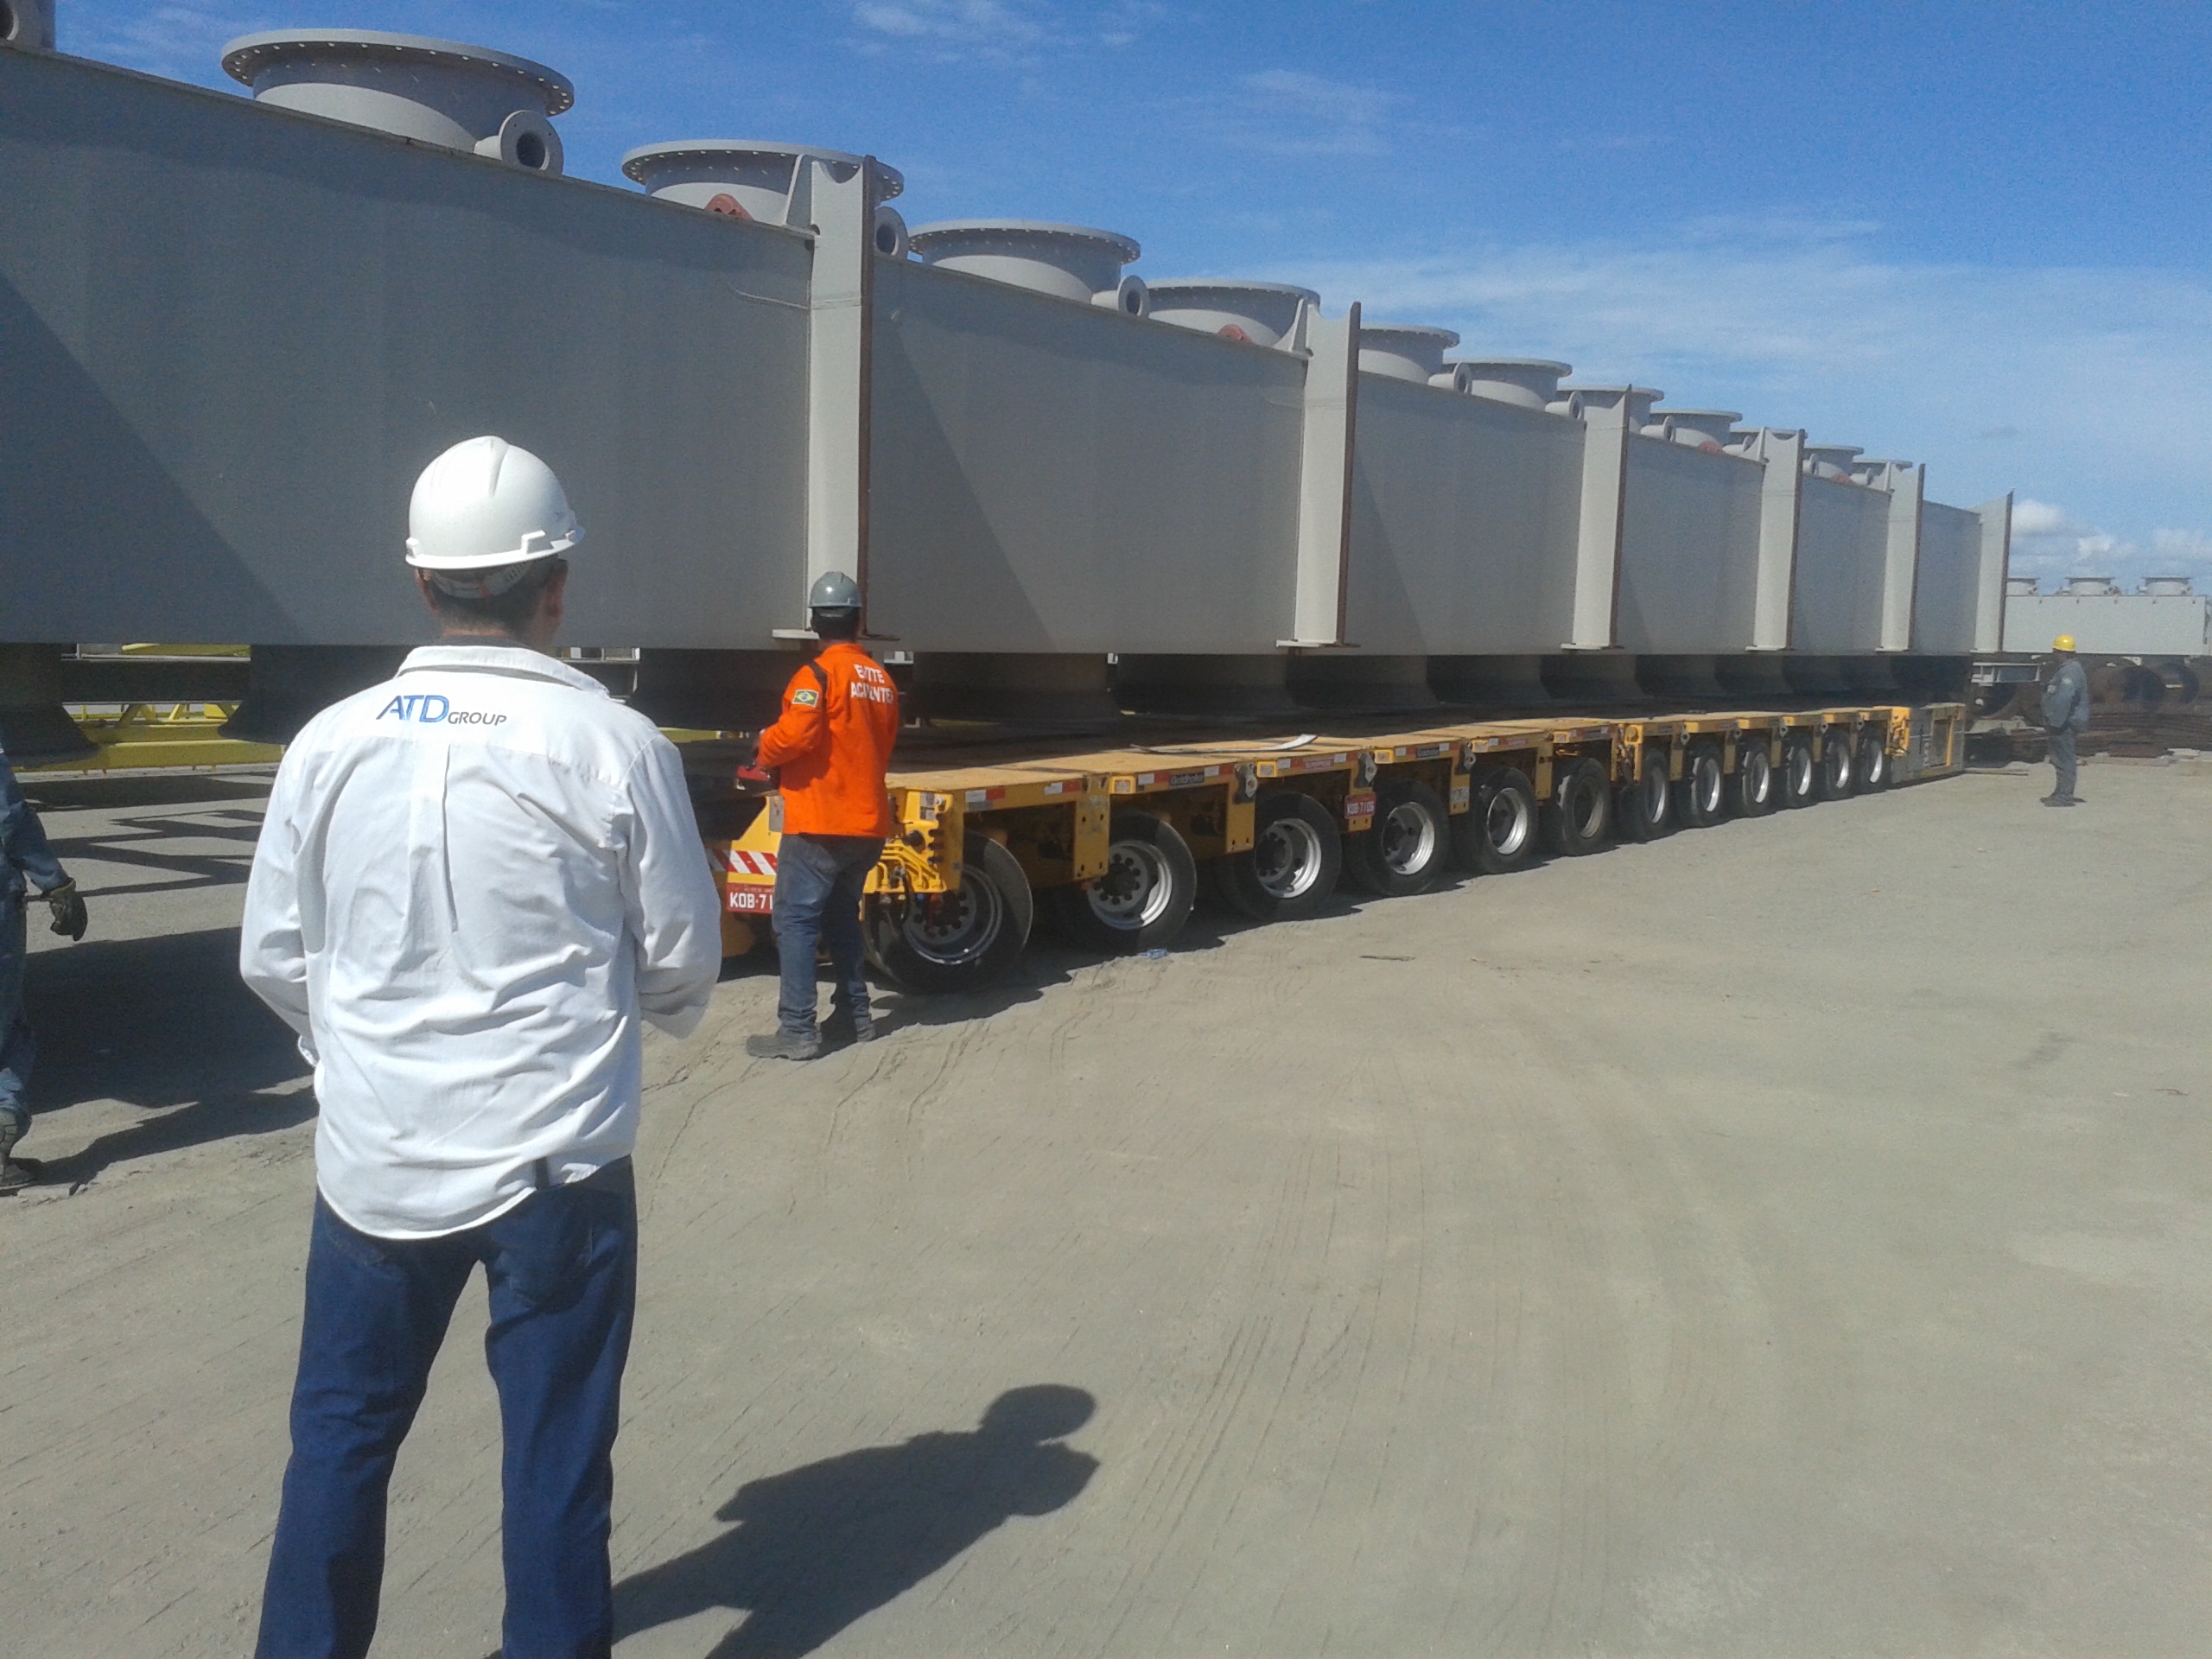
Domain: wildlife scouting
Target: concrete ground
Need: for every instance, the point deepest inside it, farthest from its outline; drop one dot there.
(1792, 1237)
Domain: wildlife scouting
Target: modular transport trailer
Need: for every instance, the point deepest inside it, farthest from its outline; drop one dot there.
(1117, 845)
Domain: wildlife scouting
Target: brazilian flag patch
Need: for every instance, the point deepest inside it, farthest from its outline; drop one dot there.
(806, 699)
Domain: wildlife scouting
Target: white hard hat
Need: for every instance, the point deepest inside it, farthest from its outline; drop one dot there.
(485, 504)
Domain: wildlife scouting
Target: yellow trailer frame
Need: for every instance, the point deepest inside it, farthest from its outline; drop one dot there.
(1052, 810)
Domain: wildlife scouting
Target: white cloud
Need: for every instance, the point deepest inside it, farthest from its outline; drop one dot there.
(2180, 552)
(986, 24)
(2050, 542)
(1005, 31)
(183, 43)
(2032, 517)
(1290, 113)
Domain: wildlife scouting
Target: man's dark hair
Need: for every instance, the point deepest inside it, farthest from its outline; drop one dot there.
(509, 612)
(836, 625)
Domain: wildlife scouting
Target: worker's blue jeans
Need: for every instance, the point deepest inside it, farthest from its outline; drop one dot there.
(17, 1051)
(2062, 761)
(820, 880)
(563, 1270)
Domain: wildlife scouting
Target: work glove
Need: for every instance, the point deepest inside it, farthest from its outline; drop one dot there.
(68, 907)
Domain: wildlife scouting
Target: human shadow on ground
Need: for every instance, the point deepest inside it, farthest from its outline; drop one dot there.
(164, 1024)
(814, 1548)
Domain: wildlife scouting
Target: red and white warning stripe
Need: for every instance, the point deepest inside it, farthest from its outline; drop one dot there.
(733, 861)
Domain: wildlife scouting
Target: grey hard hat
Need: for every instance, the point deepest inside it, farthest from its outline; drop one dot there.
(834, 590)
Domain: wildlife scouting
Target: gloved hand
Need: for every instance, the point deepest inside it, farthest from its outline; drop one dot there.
(68, 907)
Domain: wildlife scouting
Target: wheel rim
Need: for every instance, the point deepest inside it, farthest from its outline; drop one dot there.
(1507, 822)
(1655, 792)
(1286, 858)
(1134, 891)
(1408, 839)
(954, 929)
(1591, 816)
(1839, 767)
(1800, 770)
(1877, 764)
(1708, 783)
(1759, 773)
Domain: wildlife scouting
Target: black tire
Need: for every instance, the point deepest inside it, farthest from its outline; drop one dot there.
(1839, 764)
(954, 941)
(1702, 794)
(1755, 789)
(1406, 850)
(1800, 782)
(1579, 817)
(1497, 833)
(1644, 807)
(1146, 895)
(1296, 854)
(1874, 772)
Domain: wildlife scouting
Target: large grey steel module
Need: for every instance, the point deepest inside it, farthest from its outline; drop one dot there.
(230, 333)
(1464, 514)
(1055, 479)
(225, 395)
(1947, 596)
(1843, 548)
(1688, 555)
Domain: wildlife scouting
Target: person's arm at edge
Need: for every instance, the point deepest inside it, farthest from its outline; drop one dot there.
(674, 913)
(802, 728)
(22, 837)
(272, 952)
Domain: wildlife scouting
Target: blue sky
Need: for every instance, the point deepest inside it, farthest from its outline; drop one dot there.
(1971, 235)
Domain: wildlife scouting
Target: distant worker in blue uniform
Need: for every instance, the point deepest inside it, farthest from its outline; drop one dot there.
(26, 863)
(2066, 715)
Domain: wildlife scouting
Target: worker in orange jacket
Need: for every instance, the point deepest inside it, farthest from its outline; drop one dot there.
(833, 744)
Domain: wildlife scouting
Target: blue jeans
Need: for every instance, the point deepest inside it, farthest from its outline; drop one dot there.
(17, 1051)
(820, 880)
(562, 1267)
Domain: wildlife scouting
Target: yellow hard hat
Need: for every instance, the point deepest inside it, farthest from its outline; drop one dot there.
(2064, 642)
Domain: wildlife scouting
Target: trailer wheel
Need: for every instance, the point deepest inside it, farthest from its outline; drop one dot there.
(1873, 761)
(1702, 796)
(1758, 788)
(1839, 769)
(1404, 853)
(1497, 834)
(1801, 774)
(1146, 895)
(1292, 868)
(955, 941)
(1645, 806)
(1582, 811)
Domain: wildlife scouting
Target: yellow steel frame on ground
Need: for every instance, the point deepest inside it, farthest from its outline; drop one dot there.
(940, 805)
(163, 734)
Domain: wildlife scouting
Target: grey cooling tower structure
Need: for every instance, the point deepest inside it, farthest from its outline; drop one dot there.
(434, 92)
(745, 178)
(1260, 314)
(1529, 382)
(1236, 499)
(1074, 261)
(27, 23)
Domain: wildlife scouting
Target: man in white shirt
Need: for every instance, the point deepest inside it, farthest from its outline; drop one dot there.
(473, 882)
